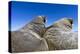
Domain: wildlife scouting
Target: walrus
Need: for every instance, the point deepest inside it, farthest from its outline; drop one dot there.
(29, 38)
(59, 36)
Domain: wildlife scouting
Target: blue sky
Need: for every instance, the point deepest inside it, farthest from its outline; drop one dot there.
(24, 12)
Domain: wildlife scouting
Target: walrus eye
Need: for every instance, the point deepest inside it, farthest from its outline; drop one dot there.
(71, 21)
(44, 20)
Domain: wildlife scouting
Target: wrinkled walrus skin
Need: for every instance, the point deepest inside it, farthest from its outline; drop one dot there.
(28, 38)
(36, 37)
(60, 36)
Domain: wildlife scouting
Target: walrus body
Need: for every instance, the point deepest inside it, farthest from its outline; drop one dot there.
(60, 36)
(28, 38)
(35, 37)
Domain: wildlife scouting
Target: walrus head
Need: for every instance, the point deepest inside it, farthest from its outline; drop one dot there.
(40, 20)
(65, 24)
